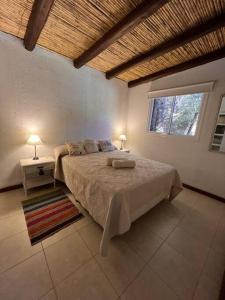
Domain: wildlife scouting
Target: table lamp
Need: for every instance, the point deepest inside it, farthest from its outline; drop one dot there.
(122, 138)
(34, 140)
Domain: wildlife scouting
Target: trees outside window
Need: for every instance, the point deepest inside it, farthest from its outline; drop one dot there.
(176, 115)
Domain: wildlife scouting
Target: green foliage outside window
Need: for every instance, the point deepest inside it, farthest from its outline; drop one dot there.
(176, 114)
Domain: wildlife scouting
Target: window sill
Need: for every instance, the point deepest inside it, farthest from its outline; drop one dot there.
(173, 136)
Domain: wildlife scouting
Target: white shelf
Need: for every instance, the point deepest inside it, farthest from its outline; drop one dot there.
(218, 134)
(38, 181)
(220, 124)
(217, 145)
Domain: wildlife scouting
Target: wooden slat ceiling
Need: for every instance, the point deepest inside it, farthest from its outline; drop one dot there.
(74, 25)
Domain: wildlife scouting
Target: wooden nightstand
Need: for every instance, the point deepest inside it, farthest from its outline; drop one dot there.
(125, 150)
(37, 172)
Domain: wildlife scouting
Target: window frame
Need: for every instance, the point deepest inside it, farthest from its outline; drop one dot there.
(204, 88)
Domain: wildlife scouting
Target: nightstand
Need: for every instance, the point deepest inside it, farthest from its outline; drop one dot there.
(125, 150)
(37, 172)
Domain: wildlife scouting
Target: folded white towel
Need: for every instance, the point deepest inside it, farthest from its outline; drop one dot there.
(117, 164)
(111, 159)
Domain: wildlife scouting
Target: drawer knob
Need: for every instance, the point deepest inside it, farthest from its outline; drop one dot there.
(41, 171)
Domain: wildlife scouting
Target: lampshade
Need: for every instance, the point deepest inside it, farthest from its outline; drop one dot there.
(123, 137)
(34, 139)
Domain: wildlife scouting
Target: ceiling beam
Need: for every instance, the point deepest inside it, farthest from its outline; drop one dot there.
(138, 15)
(201, 60)
(38, 17)
(174, 43)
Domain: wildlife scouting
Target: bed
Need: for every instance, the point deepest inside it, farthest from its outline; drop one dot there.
(116, 197)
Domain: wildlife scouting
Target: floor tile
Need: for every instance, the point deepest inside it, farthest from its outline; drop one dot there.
(65, 232)
(172, 209)
(201, 228)
(162, 225)
(175, 271)
(27, 281)
(190, 247)
(142, 240)
(160, 220)
(212, 210)
(183, 207)
(15, 249)
(92, 234)
(219, 238)
(88, 282)
(121, 264)
(10, 203)
(206, 290)
(147, 286)
(50, 296)
(12, 225)
(65, 256)
(215, 265)
(17, 194)
(187, 197)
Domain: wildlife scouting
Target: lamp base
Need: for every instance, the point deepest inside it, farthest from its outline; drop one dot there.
(35, 153)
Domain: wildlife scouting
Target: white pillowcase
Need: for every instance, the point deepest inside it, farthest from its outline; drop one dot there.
(91, 146)
(106, 145)
(75, 149)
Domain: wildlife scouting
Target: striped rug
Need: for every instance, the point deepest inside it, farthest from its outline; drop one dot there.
(48, 213)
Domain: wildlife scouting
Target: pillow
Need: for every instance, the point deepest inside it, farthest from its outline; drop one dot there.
(90, 146)
(111, 159)
(75, 149)
(106, 146)
(119, 164)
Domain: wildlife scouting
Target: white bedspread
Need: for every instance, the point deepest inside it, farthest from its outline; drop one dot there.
(117, 197)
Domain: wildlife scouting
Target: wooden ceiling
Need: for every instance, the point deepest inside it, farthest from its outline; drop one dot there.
(73, 26)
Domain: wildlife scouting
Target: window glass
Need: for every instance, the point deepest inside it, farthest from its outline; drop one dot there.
(161, 114)
(177, 115)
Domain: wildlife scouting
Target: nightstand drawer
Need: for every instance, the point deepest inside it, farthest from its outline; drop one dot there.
(37, 168)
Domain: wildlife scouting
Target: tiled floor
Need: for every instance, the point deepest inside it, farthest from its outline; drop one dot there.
(176, 251)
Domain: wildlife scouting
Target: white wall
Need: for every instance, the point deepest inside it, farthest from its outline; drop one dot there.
(41, 92)
(197, 166)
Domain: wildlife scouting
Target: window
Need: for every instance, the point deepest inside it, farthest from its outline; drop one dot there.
(177, 115)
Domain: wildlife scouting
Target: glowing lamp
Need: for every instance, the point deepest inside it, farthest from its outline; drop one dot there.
(34, 140)
(122, 138)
